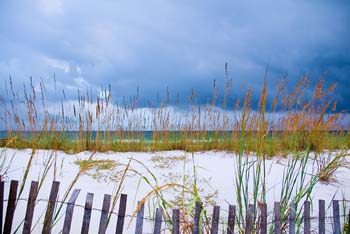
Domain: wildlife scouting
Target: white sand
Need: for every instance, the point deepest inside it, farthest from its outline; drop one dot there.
(216, 169)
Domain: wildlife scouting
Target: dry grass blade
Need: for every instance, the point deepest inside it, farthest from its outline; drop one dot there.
(118, 191)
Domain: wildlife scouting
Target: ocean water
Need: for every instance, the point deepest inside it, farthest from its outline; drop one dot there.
(145, 135)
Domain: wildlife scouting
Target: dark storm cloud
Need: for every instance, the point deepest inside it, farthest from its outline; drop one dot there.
(179, 44)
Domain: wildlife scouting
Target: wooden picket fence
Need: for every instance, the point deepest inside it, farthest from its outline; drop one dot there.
(175, 219)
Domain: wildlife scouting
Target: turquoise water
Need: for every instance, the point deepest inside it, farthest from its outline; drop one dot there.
(146, 135)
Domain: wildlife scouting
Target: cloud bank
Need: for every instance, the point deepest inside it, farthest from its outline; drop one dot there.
(177, 44)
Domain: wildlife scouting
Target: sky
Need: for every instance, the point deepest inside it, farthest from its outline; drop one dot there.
(154, 44)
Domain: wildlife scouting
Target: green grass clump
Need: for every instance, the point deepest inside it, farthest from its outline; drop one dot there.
(101, 164)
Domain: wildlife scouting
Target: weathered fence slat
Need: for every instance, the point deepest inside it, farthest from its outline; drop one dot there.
(2, 186)
(69, 211)
(87, 213)
(231, 219)
(158, 221)
(349, 219)
(307, 226)
(50, 207)
(263, 218)
(139, 218)
(336, 218)
(11, 206)
(215, 220)
(121, 214)
(30, 207)
(197, 215)
(176, 221)
(277, 218)
(321, 217)
(104, 213)
(291, 218)
(249, 219)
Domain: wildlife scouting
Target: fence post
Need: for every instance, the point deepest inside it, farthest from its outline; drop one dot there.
(277, 220)
(215, 220)
(321, 217)
(139, 218)
(30, 207)
(336, 218)
(176, 221)
(307, 226)
(50, 207)
(249, 219)
(11, 206)
(2, 185)
(158, 221)
(263, 218)
(291, 218)
(104, 213)
(121, 214)
(69, 211)
(87, 213)
(349, 220)
(197, 215)
(231, 219)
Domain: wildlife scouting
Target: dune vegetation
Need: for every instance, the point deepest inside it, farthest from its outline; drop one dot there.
(294, 124)
(274, 125)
